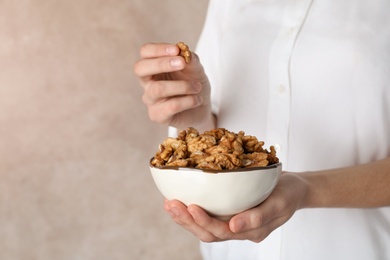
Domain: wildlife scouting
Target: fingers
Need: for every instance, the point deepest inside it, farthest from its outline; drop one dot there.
(181, 216)
(221, 230)
(257, 223)
(158, 58)
(209, 229)
(248, 220)
(156, 91)
(158, 65)
(217, 228)
(153, 50)
(164, 112)
(252, 228)
(165, 99)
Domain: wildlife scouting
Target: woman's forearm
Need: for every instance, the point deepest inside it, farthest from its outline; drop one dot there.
(361, 186)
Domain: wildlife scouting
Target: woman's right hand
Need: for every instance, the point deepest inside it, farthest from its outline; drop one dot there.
(176, 93)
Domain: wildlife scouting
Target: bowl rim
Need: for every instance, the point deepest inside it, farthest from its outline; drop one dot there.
(178, 168)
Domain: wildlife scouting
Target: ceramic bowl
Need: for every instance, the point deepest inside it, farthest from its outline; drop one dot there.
(221, 194)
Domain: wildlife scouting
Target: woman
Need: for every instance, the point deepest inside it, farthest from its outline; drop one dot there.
(312, 78)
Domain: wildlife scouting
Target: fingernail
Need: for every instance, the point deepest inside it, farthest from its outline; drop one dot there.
(238, 225)
(171, 50)
(175, 62)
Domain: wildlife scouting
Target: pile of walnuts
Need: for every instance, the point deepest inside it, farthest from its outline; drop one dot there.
(217, 149)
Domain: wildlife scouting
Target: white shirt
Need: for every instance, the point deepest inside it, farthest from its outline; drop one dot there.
(313, 78)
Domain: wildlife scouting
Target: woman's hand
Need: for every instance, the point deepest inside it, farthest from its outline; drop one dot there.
(175, 93)
(254, 224)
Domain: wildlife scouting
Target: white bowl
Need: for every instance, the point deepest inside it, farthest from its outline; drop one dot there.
(221, 194)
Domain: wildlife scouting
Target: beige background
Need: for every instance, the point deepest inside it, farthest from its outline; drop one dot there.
(74, 136)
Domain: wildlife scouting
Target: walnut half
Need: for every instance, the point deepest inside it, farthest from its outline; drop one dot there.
(184, 51)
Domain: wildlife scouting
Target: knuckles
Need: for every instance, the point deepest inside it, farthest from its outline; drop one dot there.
(155, 90)
(145, 48)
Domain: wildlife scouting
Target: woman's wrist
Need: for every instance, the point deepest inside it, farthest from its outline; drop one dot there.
(314, 195)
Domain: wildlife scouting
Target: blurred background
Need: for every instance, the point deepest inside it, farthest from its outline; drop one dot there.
(75, 138)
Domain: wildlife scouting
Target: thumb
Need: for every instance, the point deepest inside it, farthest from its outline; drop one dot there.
(195, 68)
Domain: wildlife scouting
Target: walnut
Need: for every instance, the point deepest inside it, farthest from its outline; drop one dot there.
(272, 156)
(217, 149)
(178, 163)
(251, 144)
(228, 161)
(233, 142)
(255, 159)
(184, 51)
(158, 162)
(200, 143)
(172, 149)
(206, 162)
(188, 134)
(217, 133)
(165, 152)
(209, 166)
